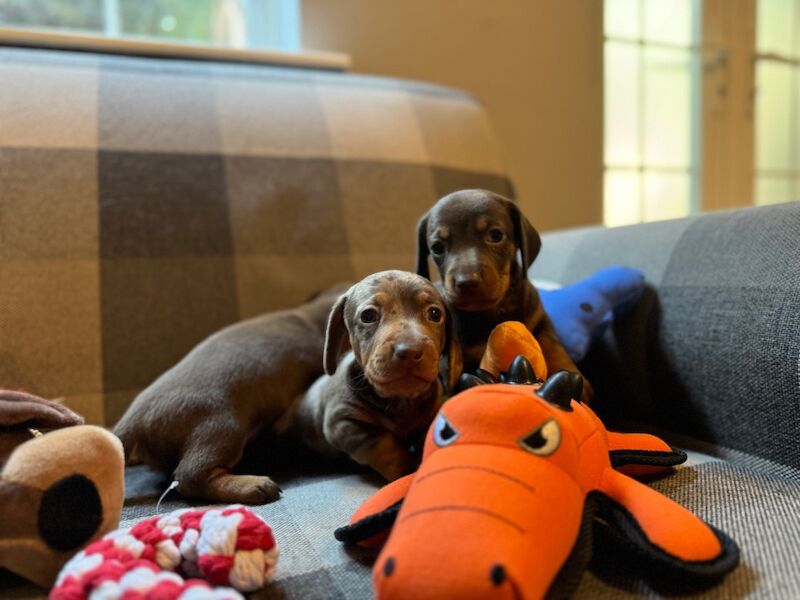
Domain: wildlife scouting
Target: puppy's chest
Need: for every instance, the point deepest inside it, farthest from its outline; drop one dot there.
(402, 417)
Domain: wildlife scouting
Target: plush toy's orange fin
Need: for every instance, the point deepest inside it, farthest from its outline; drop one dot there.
(372, 522)
(672, 540)
(507, 341)
(638, 454)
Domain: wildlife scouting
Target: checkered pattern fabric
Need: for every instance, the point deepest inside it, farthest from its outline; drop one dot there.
(145, 203)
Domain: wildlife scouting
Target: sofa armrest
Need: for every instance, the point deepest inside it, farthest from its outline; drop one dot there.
(712, 349)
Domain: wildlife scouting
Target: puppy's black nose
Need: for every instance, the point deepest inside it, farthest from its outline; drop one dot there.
(408, 352)
(467, 282)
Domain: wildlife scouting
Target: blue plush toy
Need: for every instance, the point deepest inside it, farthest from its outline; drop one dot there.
(581, 312)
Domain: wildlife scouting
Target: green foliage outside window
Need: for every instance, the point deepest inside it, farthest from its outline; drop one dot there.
(190, 20)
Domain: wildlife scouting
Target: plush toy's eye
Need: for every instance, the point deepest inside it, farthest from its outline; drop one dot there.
(543, 440)
(437, 247)
(443, 432)
(369, 315)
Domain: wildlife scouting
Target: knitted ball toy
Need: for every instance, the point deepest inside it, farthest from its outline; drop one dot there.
(227, 547)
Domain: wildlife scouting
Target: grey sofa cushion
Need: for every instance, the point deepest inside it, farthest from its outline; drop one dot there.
(713, 348)
(753, 500)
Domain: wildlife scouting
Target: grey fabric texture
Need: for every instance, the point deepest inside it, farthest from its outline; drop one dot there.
(713, 349)
(312, 564)
(754, 501)
(757, 507)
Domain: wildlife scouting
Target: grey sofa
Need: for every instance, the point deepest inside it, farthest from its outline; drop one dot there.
(148, 202)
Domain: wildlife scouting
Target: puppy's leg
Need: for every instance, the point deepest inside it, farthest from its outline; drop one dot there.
(555, 355)
(204, 469)
(388, 456)
(377, 449)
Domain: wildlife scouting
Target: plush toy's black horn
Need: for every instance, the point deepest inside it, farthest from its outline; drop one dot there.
(466, 381)
(561, 388)
(485, 376)
(520, 372)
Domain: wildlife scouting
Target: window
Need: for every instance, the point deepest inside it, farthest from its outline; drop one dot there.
(651, 104)
(777, 155)
(259, 24)
(701, 106)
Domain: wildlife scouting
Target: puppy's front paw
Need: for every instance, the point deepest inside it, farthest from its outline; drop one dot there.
(257, 490)
(241, 489)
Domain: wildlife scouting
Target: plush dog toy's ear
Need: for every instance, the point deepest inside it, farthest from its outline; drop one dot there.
(57, 492)
(453, 351)
(337, 338)
(527, 238)
(422, 247)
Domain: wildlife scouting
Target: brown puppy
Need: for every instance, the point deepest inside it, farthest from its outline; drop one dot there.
(196, 418)
(474, 237)
(386, 389)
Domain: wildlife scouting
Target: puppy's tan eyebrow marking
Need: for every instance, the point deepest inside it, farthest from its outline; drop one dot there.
(481, 224)
(378, 298)
(424, 297)
(443, 232)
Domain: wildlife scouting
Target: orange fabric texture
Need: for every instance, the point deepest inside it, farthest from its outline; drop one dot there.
(642, 442)
(507, 341)
(496, 506)
(666, 524)
(495, 509)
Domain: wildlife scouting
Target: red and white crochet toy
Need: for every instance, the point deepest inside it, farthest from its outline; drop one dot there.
(227, 547)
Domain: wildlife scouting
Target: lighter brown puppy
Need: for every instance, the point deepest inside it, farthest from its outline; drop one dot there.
(391, 329)
(195, 419)
(483, 247)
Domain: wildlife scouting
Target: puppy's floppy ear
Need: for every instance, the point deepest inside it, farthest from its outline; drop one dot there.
(453, 351)
(527, 238)
(337, 338)
(422, 247)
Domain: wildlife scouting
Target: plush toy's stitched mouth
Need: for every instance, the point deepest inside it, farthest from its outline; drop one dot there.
(496, 472)
(466, 508)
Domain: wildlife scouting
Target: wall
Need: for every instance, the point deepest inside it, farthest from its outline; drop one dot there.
(536, 65)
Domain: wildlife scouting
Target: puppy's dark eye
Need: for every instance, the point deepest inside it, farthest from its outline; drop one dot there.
(544, 440)
(495, 235)
(435, 314)
(369, 315)
(437, 248)
(443, 432)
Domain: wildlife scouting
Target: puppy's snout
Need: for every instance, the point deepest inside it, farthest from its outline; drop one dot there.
(467, 282)
(408, 352)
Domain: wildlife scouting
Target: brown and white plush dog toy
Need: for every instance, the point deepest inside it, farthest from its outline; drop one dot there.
(61, 485)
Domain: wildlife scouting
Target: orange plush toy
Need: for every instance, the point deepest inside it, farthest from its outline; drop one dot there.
(507, 341)
(515, 482)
